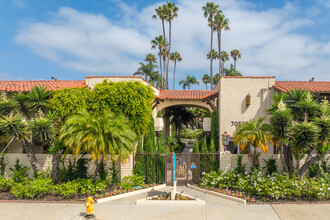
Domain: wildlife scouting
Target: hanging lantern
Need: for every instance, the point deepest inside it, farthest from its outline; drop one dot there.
(248, 100)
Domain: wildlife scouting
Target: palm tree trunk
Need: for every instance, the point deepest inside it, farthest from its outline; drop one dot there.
(32, 157)
(206, 85)
(160, 67)
(188, 86)
(164, 72)
(169, 51)
(97, 168)
(234, 64)
(163, 28)
(219, 48)
(174, 74)
(223, 65)
(211, 58)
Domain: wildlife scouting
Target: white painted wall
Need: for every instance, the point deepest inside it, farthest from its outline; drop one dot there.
(232, 95)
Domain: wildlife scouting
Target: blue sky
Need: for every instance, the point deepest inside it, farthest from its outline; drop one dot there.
(72, 39)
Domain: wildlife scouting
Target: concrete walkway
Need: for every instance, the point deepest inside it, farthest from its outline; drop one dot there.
(126, 209)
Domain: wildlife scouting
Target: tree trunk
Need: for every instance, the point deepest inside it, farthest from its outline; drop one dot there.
(97, 168)
(219, 48)
(163, 29)
(234, 64)
(32, 157)
(206, 85)
(310, 160)
(298, 164)
(161, 70)
(211, 58)
(285, 167)
(222, 66)
(174, 74)
(164, 72)
(169, 50)
(55, 167)
(188, 86)
(288, 157)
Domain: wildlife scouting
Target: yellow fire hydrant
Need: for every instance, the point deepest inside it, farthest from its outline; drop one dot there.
(89, 207)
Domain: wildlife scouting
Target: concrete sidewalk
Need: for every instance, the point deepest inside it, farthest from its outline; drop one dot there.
(125, 209)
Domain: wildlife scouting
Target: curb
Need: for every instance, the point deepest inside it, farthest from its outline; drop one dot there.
(242, 201)
(111, 198)
(170, 202)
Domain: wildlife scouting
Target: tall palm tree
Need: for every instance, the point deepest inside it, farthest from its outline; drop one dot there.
(175, 56)
(214, 55)
(150, 58)
(255, 133)
(171, 12)
(154, 77)
(224, 57)
(235, 54)
(145, 70)
(216, 79)
(221, 22)
(231, 71)
(209, 10)
(206, 80)
(159, 42)
(162, 15)
(164, 53)
(99, 134)
(189, 81)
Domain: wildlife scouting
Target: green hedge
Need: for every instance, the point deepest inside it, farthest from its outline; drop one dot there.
(270, 187)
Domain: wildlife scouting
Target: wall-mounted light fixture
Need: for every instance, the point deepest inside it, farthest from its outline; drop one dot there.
(225, 139)
(248, 100)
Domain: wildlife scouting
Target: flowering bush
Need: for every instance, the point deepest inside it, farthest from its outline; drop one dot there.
(274, 187)
(130, 181)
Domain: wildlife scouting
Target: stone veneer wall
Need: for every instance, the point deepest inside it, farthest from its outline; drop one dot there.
(45, 161)
(228, 161)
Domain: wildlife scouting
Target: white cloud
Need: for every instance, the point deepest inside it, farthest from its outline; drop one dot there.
(268, 39)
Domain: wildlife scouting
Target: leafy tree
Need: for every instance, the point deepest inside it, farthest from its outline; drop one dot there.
(255, 133)
(132, 99)
(145, 70)
(231, 71)
(215, 128)
(196, 147)
(149, 145)
(206, 79)
(34, 127)
(209, 11)
(160, 43)
(295, 118)
(221, 23)
(100, 134)
(214, 55)
(150, 58)
(188, 81)
(67, 102)
(235, 54)
(224, 57)
(175, 56)
(179, 116)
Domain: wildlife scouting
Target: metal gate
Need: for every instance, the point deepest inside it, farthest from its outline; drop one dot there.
(189, 167)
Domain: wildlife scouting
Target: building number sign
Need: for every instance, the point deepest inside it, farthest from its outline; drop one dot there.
(236, 123)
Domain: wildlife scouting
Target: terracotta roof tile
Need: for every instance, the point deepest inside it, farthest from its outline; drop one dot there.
(184, 94)
(25, 86)
(313, 86)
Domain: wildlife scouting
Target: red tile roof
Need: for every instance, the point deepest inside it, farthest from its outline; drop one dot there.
(313, 86)
(24, 86)
(185, 94)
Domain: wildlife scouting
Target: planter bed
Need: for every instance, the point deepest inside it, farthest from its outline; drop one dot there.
(226, 194)
(119, 194)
